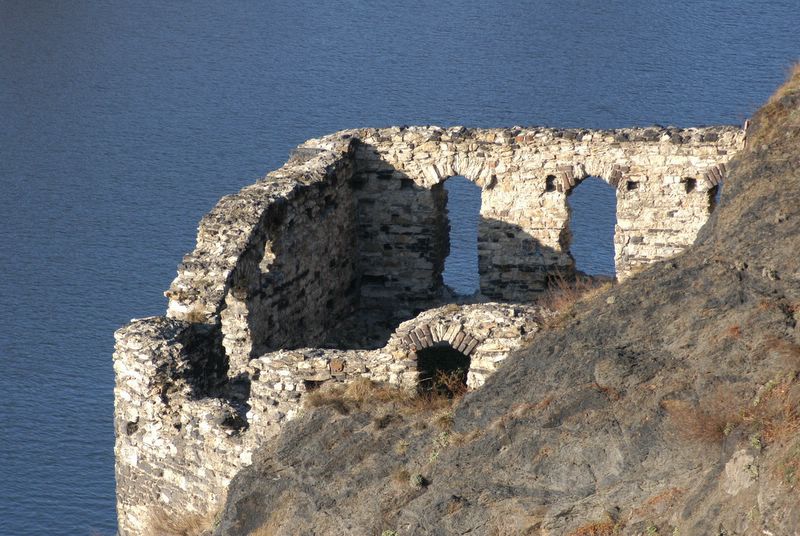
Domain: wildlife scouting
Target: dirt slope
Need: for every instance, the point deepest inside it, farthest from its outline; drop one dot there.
(669, 404)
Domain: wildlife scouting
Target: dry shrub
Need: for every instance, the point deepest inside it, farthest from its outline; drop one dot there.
(709, 420)
(792, 83)
(451, 384)
(734, 332)
(610, 393)
(401, 477)
(773, 415)
(454, 505)
(563, 293)
(776, 410)
(771, 118)
(522, 410)
(788, 351)
(162, 523)
(598, 528)
(365, 394)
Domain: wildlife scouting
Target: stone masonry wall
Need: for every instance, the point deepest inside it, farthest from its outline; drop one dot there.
(661, 176)
(275, 264)
(356, 222)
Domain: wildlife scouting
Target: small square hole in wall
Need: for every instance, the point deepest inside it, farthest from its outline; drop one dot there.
(632, 185)
(714, 196)
(690, 184)
(312, 385)
(550, 183)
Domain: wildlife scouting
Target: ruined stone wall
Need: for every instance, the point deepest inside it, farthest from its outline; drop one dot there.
(487, 333)
(275, 267)
(275, 264)
(183, 431)
(176, 447)
(525, 176)
(356, 221)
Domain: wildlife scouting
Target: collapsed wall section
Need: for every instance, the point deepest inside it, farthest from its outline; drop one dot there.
(274, 267)
(486, 333)
(276, 264)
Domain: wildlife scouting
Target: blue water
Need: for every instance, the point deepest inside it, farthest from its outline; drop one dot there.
(593, 205)
(463, 212)
(123, 122)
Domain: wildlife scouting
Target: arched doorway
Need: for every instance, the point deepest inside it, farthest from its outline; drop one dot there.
(442, 370)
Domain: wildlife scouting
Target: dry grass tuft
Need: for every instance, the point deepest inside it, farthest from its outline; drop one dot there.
(771, 118)
(710, 420)
(734, 332)
(466, 437)
(659, 504)
(788, 351)
(275, 523)
(789, 468)
(776, 410)
(520, 411)
(773, 415)
(454, 505)
(792, 83)
(401, 477)
(196, 316)
(365, 394)
(162, 523)
(598, 528)
(563, 294)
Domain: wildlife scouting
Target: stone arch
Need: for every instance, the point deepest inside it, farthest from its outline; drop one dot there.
(713, 179)
(427, 335)
(568, 177)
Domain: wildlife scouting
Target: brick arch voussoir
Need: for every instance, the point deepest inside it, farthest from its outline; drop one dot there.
(714, 175)
(568, 177)
(425, 336)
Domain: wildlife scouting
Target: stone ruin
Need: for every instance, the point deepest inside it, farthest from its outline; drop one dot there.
(330, 268)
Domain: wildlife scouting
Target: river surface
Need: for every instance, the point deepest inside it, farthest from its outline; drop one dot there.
(122, 122)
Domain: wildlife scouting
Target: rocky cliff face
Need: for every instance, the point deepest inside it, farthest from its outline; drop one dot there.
(669, 404)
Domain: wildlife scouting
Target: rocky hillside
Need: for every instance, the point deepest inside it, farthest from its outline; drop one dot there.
(669, 404)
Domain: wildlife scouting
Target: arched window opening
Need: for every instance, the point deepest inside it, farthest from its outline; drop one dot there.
(593, 216)
(463, 213)
(714, 196)
(550, 183)
(442, 370)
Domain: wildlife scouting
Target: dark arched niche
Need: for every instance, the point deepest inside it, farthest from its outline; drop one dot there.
(442, 370)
